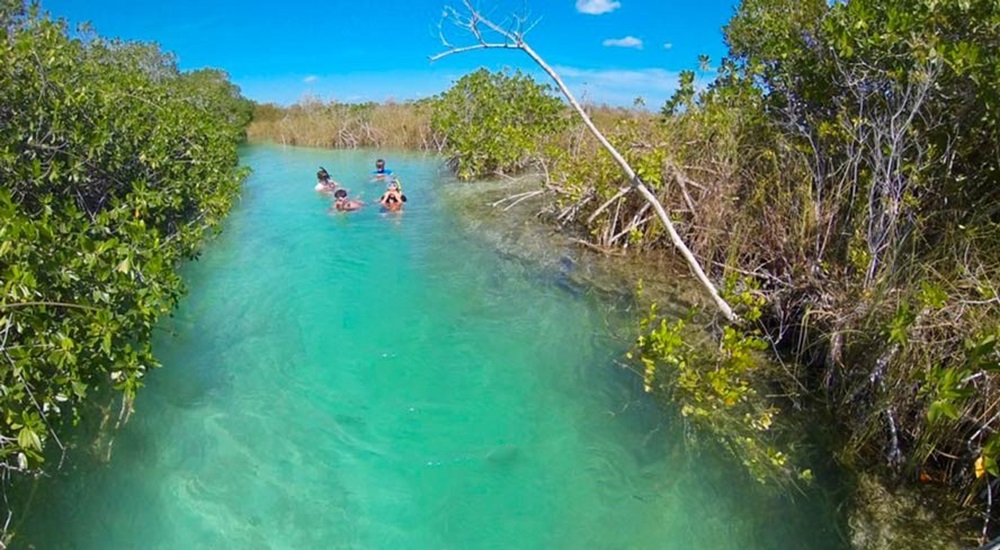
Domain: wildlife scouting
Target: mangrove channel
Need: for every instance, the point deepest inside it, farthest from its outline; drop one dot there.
(371, 380)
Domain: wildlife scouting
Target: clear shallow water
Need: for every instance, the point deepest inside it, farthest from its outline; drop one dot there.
(387, 381)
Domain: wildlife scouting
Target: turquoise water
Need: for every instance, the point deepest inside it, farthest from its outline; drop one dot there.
(373, 380)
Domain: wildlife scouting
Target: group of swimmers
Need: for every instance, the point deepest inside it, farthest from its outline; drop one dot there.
(392, 200)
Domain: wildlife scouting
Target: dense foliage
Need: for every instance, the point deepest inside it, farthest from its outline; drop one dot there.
(113, 167)
(841, 177)
(843, 169)
(890, 110)
(495, 122)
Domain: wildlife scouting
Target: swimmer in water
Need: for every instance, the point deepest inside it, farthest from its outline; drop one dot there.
(324, 183)
(393, 199)
(342, 204)
(380, 172)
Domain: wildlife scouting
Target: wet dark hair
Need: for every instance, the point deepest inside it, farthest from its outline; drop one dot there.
(340, 194)
(380, 161)
(322, 174)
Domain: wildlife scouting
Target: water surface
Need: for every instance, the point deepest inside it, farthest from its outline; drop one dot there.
(372, 380)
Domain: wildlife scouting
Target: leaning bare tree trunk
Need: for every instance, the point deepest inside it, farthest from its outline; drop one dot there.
(513, 38)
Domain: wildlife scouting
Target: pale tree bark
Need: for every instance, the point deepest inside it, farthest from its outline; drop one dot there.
(510, 36)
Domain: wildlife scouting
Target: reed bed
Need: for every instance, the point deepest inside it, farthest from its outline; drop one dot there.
(314, 123)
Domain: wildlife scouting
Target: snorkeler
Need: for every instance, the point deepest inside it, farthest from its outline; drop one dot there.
(342, 203)
(380, 171)
(393, 198)
(324, 183)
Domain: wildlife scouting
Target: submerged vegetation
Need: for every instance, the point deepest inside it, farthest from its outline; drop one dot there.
(840, 179)
(114, 166)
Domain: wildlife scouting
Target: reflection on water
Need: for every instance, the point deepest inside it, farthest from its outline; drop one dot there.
(391, 381)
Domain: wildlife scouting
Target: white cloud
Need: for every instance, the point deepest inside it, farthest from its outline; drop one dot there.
(310, 79)
(668, 46)
(627, 42)
(597, 7)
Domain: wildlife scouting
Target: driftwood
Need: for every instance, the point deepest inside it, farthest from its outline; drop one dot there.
(511, 37)
(517, 199)
(621, 193)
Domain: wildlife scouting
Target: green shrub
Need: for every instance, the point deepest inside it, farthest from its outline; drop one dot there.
(114, 165)
(495, 122)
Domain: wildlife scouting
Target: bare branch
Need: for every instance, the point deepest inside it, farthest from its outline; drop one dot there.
(621, 193)
(469, 49)
(474, 23)
(524, 198)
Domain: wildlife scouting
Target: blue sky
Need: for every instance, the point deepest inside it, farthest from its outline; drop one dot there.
(607, 50)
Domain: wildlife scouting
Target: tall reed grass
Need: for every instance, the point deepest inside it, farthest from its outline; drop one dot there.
(314, 123)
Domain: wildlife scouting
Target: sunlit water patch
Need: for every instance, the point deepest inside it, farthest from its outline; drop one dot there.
(373, 380)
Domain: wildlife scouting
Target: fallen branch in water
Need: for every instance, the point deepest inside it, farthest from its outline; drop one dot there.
(637, 221)
(515, 197)
(621, 193)
(522, 198)
(511, 37)
(596, 248)
(570, 211)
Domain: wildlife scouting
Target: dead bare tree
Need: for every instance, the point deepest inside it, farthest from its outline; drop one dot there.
(883, 115)
(510, 35)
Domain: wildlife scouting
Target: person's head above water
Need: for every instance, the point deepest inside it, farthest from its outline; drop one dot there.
(340, 194)
(393, 186)
(380, 165)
